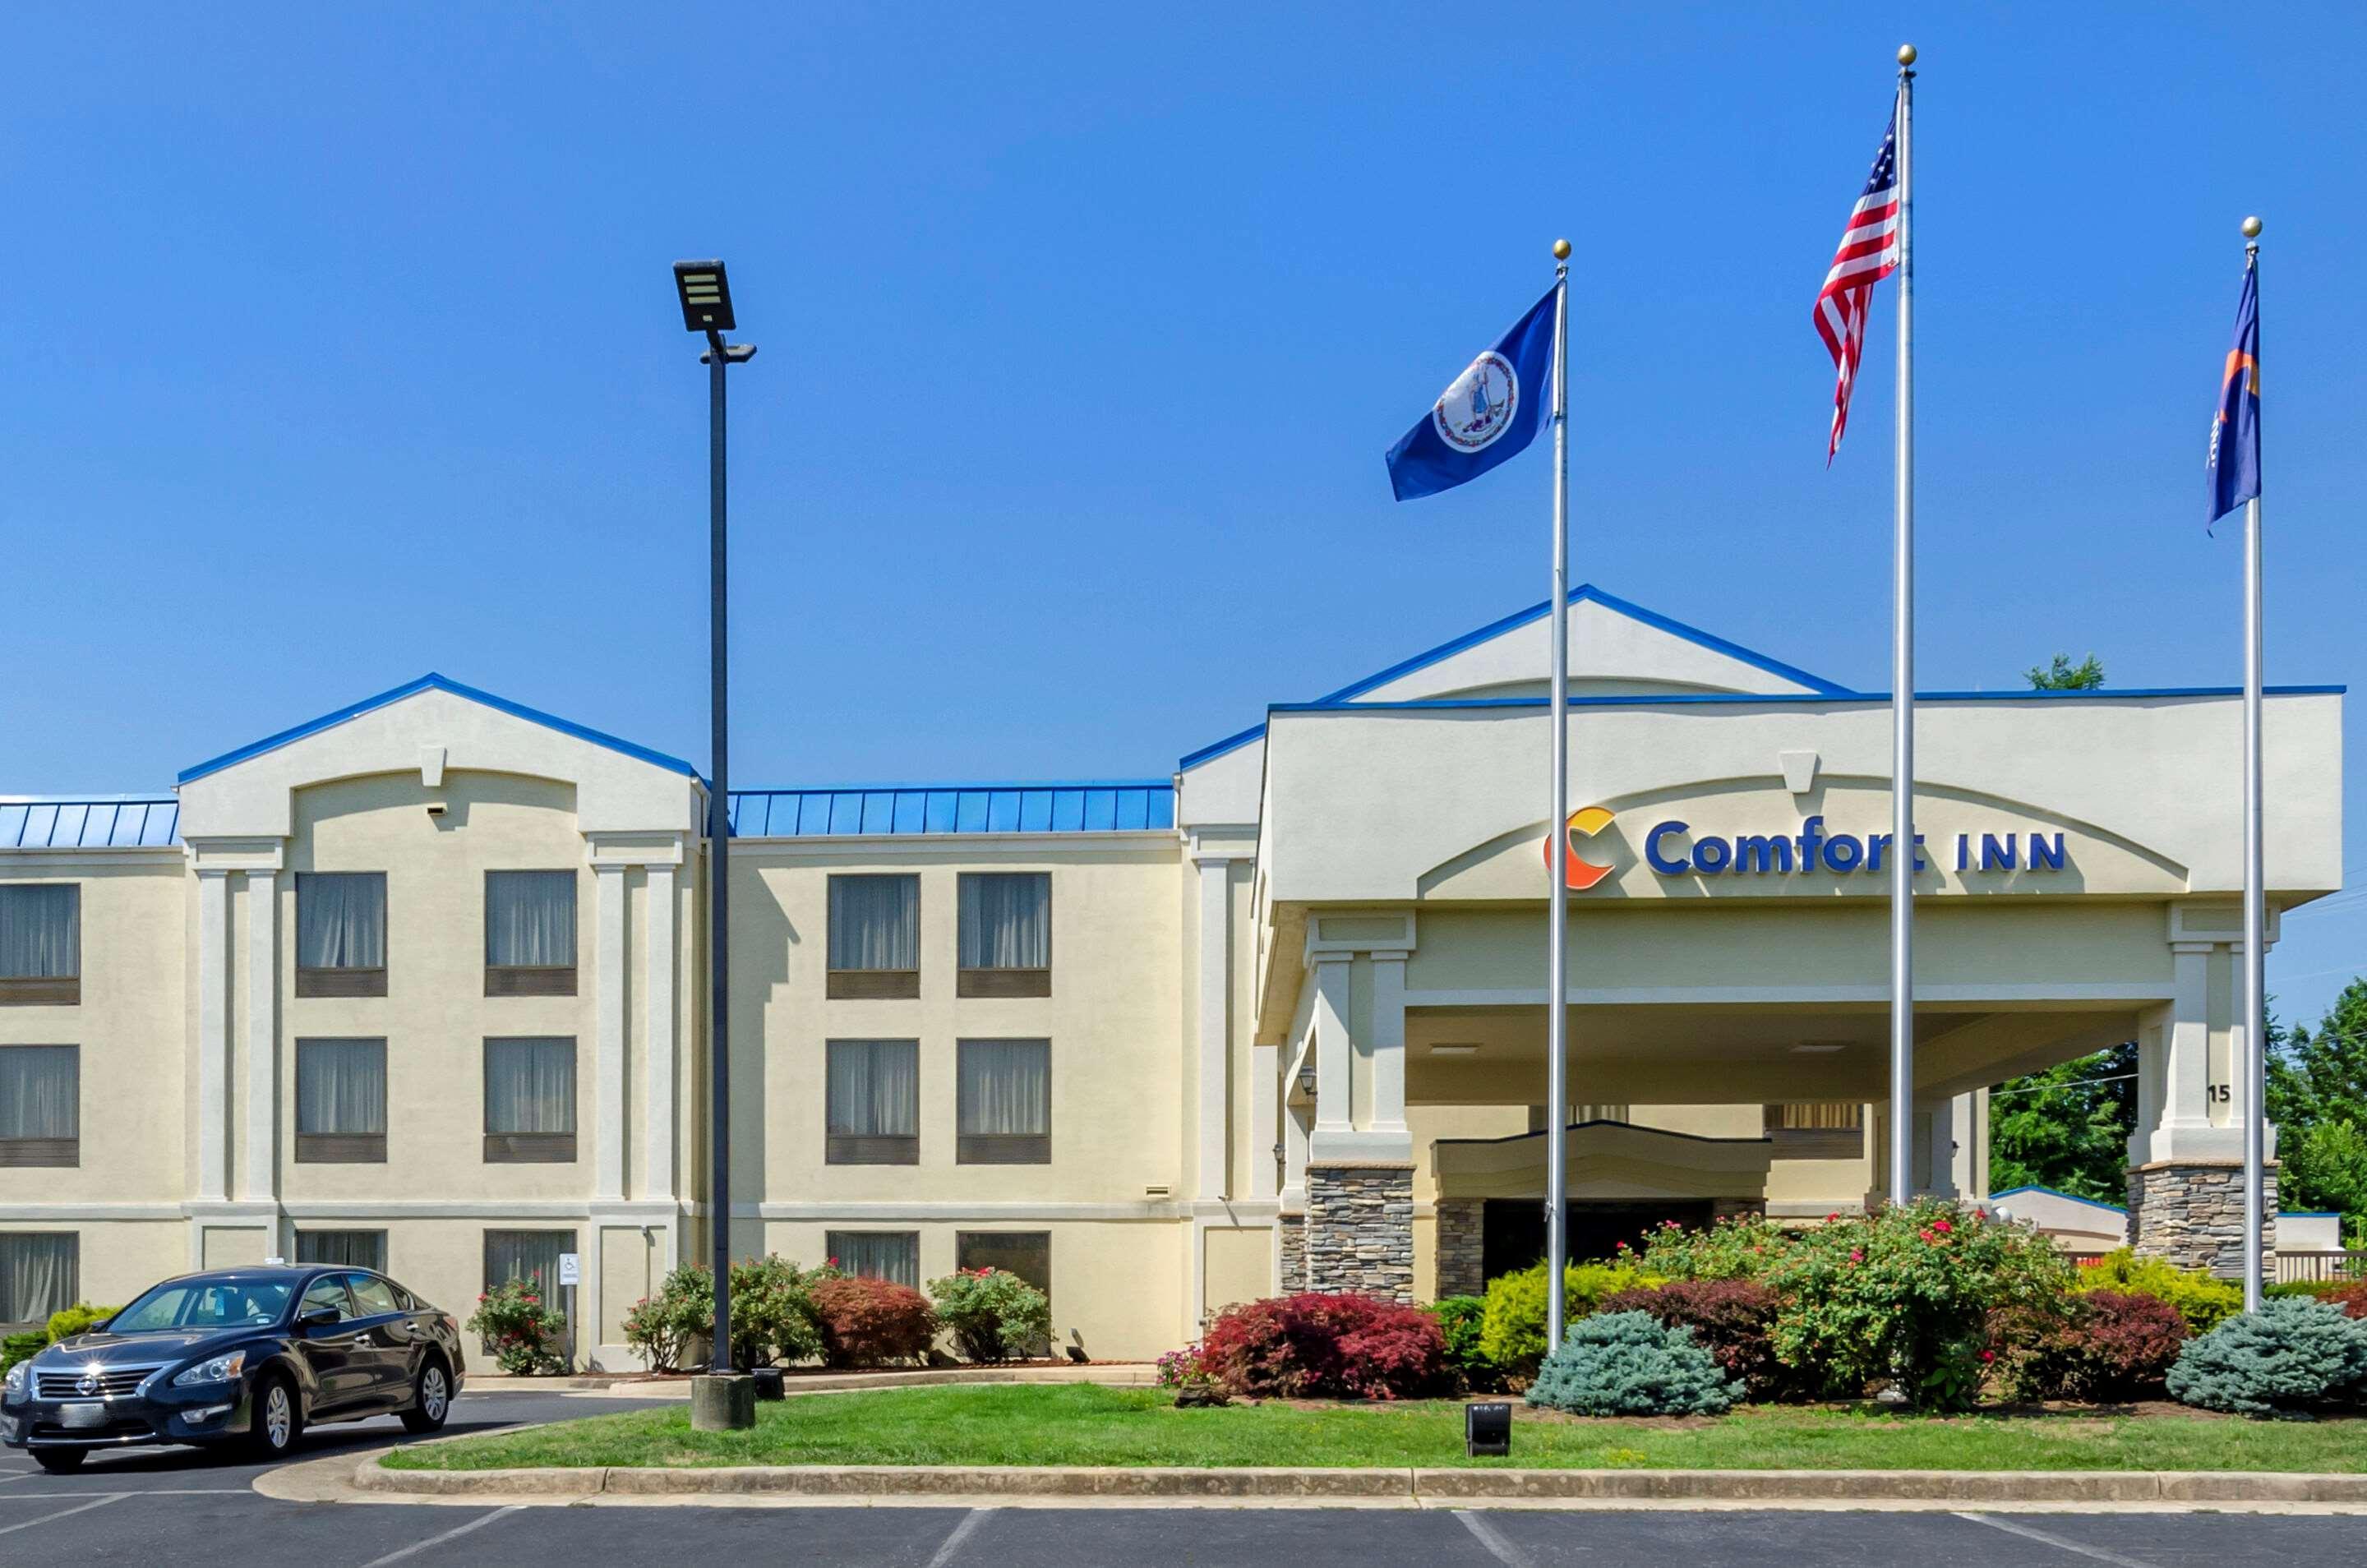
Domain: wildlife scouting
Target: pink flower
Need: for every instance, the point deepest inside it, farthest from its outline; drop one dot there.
(1857, 1256)
(1831, 1218)
(1623, 1247)
(1942, 1226)
(1988, 1355)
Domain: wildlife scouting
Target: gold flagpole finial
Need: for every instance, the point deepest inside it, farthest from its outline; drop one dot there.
(1906, 54)
(2251, 228)
(1561, 247)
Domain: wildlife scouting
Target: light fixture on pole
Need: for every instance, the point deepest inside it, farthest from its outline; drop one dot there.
(724, 1399)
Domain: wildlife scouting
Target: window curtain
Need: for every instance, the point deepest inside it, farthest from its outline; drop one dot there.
(40, 932)
(340, 1086)
(40, 1273)
(1006, 1087)
(341, 919)
(1830, 1116)
(530, 1086)
(875, 1089)
(894, 1256)
(343, 1249)
(1006, 920)
(531, 1256)
(40, 1092)
(530, 919)
(875, 922)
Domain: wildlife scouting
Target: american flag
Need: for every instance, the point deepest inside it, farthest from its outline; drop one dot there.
(1868, 254)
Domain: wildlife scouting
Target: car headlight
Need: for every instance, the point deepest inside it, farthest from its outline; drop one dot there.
(221, 1368)
(18, 1376)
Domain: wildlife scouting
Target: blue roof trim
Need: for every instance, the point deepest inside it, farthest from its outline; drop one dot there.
(1696, 698)
(2067, 1197)
(2309, 1214)
(1126, 805)
(433, 681)
(1190, 760)
(1585, 592)
(90, 822)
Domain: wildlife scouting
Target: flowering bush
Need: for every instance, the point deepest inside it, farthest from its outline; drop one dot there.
(1734, 1320)
(1174, 1366)
(527, 1335)
(1905, 1292)
(1317, 1346)
(1624, 1364)
(993, 1315)
(869, 1323)
(1739, 1247)
(661, 1329)
(2204, 1300)
(1513, 1323)
(1460, 1321)
(772, 1317)
(2288, 1358)
(2098, 1345)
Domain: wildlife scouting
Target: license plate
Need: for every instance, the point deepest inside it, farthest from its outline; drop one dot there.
(78, 1415)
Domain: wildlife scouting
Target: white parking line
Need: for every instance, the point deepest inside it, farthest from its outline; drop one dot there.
(1488, 1536)
(150, 1492)
(61, 1513)
(2096, 1553)
(962, 1532)
(419, 1546)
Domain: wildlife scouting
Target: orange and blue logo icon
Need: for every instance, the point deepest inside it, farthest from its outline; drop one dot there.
(1580, 874)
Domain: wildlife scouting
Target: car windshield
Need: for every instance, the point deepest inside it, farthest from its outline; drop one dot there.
(203, 1304)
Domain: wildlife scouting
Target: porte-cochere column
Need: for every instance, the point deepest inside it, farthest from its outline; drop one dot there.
(1359, 1228)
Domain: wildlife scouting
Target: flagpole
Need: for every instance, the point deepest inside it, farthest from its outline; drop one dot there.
(2256, 1036)
(1902, 676)
(1557, 862)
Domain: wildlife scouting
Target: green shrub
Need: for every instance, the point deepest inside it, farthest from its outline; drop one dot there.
(2288, 1358)
(993, 1315)
(1513, 1322)
(1460, 1322)
(527, 1336)
(79, 1318)
(2097, 1345)
(661, 1328)
(1734, 1320)
(22, 1346)
(773, 1315)
(2202, 1299)
(1740, 1247)
(1626, 1363)
(1906, 1293)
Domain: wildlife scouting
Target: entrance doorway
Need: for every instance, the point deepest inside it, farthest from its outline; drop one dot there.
(1513, 1232)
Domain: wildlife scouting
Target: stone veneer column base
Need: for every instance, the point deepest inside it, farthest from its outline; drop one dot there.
(1458, 1247)
(1360, 1230)
(2191, 1213)
(1735, 1208)
(1294, 1255)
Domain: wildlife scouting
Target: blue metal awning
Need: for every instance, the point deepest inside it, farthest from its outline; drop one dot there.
(111, 823)
(1115, 807)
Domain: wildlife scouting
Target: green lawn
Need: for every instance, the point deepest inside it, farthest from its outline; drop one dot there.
(1079, 1424)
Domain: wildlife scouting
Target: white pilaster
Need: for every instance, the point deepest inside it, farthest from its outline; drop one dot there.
(1295, 1144)
(1388, 1042)
(213, 1033)
(1333, 1110)
(2184, 1130)
(1216, 1023)
(262, 1078)
(1266, 1119)
(608, 1036)
(658, 1038)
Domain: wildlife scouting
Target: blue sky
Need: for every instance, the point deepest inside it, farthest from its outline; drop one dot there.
(343, 348)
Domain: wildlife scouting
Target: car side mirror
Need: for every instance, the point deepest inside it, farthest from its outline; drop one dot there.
(318, 1317)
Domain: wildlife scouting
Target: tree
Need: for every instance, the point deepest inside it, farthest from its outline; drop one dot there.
(2088, 675)
(2067, 1127)
(2317, 1097)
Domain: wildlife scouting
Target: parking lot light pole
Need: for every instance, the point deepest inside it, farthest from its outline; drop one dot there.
(724, 1399)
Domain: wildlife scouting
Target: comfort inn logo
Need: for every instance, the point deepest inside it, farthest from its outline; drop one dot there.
(1580, 874)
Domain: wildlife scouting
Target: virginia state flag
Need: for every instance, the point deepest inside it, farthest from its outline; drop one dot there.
(1488, 414)
(2233, 464)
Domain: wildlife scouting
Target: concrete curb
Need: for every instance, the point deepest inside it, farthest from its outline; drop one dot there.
(1404, 1486)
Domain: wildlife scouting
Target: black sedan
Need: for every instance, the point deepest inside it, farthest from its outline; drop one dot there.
(240, 1355)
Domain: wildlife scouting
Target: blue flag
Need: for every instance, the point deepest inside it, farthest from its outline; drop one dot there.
(1490, 411)
(2234, 465)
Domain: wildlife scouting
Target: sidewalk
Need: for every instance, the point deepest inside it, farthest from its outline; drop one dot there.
(640, 1386)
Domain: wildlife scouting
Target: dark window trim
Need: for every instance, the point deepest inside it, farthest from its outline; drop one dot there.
(341, 1148)
(20, 1152)
(341, 982)
(1812, 1143)
(529, 1148)
(1003, 1148)
(961, 1261)
(529, 980)
(846, 1149)
(1003, 983)
(872, 985)
(40, 991)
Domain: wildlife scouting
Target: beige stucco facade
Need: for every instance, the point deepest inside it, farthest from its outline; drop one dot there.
(1295, 1005)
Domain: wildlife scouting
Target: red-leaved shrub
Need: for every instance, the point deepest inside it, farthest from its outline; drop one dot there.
(1320, 1347)
(2104, 1345)
(1734, 1320)
(869, 1323)
(2351, 1296)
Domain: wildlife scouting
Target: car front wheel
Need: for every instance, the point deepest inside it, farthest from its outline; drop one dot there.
(275, 1421)
(431, 1400)
(59, 1461)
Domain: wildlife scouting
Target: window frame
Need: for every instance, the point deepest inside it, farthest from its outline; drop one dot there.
(994, 981)
(868, 1148)
(375, 1267)
(346, 979)
(964, 1239)
(46, 990)
(341, 1148)
(49, 1153)
(1813, 1142)
(535, 979)
(831, 1240)
(74, 1283)
(531, 1149)
(1002, 1148)
(868, 985)
(553, 1292)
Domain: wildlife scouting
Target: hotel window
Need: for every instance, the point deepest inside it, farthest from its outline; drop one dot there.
(872, 1107)
(875, 937)
(40, 1273)
(41, 945)
(1006, 934)
(530, 1101)
(340, 933)
(341, 1103)
(530, 1257)
(1817, 1130)
(529, 933)
(1004, 1103)
(40, 1105)
(347, 1249)
(1027, 1254)
(893, 1256)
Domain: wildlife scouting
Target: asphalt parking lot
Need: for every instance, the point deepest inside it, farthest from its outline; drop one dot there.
(156, 1505)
